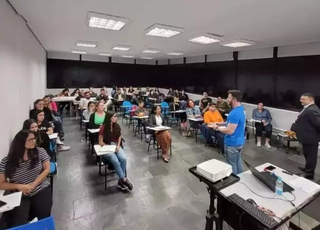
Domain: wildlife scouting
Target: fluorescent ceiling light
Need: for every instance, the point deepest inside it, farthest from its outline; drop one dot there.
(163, 30)
(78, 52)
(151, 51)
(205, 39)
(146, 57)
(121, 47)
(127, 56)
(175, 53)
(104, 54)
(105, 21)
(237, 43)
(86, 44)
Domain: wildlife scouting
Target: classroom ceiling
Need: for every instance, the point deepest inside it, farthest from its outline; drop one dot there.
(59, 24)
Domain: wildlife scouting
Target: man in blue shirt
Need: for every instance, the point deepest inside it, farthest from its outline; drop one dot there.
(234, 130)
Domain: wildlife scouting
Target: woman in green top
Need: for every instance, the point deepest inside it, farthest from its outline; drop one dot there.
(97, 118)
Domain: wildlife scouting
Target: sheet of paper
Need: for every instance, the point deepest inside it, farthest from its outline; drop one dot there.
(53, 135)
(108, 148)
(304, 185)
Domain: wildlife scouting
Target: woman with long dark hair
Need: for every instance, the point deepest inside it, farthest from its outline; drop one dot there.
(46, 128)
(110, 133)
(42, 138)
(26, 169)
(163, 137)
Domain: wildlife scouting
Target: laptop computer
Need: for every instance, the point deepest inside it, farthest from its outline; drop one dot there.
(268, 179)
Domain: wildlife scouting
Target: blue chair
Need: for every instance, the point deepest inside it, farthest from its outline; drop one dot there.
(44, 224)
(126, 107)
(165, 110)
(53, 170)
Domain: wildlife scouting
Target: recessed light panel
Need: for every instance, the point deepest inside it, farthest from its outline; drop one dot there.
(127, 56)
(237, 43)
(165, 31)
(205, 39)
(121, 47)
(78, 52)
(86, 44)
(151, 51)
(149, 58)
(175, 53)
(105, 21)
(105, 54)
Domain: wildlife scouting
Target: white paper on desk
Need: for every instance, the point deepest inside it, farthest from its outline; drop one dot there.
(108, 148)
(160, 128)
(53, 135)
(305, 185)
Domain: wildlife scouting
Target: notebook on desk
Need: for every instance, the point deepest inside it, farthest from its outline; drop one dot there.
(101, 150)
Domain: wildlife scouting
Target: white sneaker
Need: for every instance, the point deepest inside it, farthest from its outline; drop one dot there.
(59, 142)
(259, 144)
(63, 148)
(268, 145)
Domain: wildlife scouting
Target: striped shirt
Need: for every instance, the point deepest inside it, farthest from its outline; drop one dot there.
(25, 175)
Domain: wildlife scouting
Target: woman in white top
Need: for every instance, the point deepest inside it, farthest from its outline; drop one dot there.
(163, 137)
(90, 110)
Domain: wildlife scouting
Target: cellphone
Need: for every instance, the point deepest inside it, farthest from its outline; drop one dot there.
(2, 203)
(270, 168)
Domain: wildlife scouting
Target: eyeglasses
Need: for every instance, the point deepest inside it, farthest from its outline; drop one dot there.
(32, 140)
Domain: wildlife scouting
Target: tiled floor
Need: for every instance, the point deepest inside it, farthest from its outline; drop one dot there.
(165, 196)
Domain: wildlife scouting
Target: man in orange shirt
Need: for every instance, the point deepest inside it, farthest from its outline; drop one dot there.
(210, 117)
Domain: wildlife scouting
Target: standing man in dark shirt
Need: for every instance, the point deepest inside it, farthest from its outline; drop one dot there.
(205, 102)
(307, 128)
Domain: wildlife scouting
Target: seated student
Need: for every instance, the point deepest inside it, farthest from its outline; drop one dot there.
(97, 118)
(113, 91)
(170, 93)
(163, 137)
(192, 111)
(39, 105)
(204, 102)
(75, 93)
(81, 95)
(84, 101)
(90, 110)
(176, 93)
(222, 106)
(42, 138)
(110, 133)
(26, 169)
(264, 116)
(47, 104)
(147, 91)
(213, 116)
(45, 126)
(103, 95)
(119, 96)
(183, 99)
(130, 90)
(92, 94)
(53, 103)
(64, 105)
(140, 112)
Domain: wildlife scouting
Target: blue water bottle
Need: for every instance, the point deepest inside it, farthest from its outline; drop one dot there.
(279, 187)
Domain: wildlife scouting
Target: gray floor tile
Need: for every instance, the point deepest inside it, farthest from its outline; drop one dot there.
(108, 219)
(83, 207)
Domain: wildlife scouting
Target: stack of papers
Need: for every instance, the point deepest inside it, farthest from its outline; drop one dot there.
(107, 149)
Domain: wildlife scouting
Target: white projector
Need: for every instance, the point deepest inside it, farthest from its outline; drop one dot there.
(214, 170)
